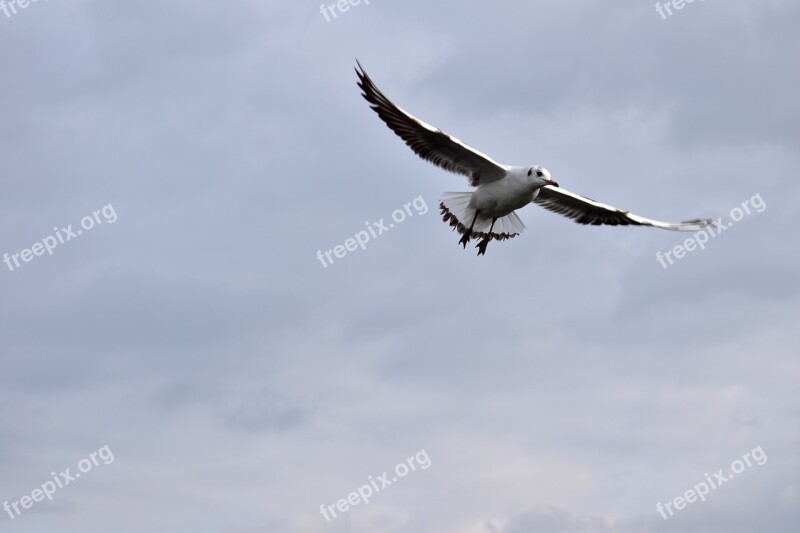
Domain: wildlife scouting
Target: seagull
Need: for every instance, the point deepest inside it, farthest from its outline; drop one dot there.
(489, 212)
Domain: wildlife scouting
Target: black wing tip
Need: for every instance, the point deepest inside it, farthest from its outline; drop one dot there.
(364, 81)
(362, 73)
(369, 90)
(702, 222)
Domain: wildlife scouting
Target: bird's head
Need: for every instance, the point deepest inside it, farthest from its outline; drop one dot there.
(540, 176)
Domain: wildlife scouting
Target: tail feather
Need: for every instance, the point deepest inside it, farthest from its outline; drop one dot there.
(457, 212)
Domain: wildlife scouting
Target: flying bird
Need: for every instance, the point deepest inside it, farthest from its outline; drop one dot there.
(489, 212)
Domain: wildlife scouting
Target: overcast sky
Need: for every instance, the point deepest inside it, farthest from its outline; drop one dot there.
(565, 381)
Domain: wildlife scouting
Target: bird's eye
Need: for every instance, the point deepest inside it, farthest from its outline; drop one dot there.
(539, 173)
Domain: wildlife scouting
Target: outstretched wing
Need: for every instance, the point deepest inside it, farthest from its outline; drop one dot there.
(587, 211)
(428, 142)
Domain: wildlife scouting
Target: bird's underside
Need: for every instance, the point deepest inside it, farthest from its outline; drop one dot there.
(455, 208)
(495, 182)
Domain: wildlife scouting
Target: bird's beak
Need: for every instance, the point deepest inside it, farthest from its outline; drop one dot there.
(552, 182)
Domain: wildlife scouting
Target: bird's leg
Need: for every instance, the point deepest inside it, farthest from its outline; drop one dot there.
(467, 234)
(485, 241)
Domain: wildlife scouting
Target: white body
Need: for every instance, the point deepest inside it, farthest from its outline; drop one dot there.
(497, 199)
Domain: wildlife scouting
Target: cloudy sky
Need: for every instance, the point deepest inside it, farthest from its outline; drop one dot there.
(566, 381)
